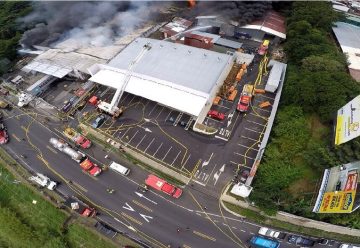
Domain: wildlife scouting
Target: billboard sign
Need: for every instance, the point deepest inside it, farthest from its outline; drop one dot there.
(348, 122)
(338, 191)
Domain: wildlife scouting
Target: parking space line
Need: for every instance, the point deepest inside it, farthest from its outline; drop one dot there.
(262, 109)
(249, 138)
(117, 130)
(237, 164)
(258, 116)
(208, 118)
(125, 133)
(131, 100)
(222, 106)
(176, 157)
(141, 141)
(168, 115)
(253, 130)
(182, 167)
(166, 154)
(147, 102)
(124, 98)
(149, 145)
(163, 107)
(133, 136)
(248, 147)
(243, 155)
(157, 150)
(267, 97)
(256, 123)
(152, 109)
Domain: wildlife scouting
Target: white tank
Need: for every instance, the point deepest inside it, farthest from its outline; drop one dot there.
(65, 148)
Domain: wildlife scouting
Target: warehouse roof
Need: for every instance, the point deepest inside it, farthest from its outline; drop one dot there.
(187, 66)
(173, 74)
(272, 23)
(348, 37)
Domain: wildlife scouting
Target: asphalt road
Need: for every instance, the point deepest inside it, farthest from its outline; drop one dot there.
(153, 218)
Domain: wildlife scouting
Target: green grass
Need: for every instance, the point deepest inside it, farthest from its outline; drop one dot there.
(28, 220)
(260, 219)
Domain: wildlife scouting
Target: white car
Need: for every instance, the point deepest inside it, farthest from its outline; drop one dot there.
(348, 246)
(271, 233)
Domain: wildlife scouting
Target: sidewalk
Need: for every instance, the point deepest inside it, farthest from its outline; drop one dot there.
(293, 219)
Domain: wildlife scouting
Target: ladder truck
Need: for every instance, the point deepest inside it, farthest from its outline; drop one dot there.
(112, 108)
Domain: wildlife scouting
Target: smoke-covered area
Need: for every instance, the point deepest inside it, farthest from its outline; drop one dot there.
(242, 12)
(89, 23)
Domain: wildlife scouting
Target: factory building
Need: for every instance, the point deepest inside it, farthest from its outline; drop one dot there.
(180, 77)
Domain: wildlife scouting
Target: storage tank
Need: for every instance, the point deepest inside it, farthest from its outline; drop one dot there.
(65, 148)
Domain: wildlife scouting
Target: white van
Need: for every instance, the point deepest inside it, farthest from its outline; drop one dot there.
(119, 168)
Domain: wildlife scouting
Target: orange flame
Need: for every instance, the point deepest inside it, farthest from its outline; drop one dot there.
(191, 3)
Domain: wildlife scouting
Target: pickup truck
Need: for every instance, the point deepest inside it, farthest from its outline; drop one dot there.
(80, 207)
(76, 137)
(161, 185)
(43, 181)
(264, 231)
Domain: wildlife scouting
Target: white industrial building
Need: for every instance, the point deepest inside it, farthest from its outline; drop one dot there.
(177, 76)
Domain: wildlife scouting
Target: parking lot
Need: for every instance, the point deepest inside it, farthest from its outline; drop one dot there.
(165, 135)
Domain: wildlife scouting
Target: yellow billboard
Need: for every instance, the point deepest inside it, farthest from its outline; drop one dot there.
(338, 202)
(348, 122)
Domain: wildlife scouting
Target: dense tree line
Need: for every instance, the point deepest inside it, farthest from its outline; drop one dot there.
(10, 32)
(302, 143)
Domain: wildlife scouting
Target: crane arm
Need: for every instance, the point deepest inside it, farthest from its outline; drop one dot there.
(119, 92)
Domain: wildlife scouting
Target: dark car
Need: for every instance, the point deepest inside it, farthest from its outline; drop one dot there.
(298, 240)
(98, 121)
(244, 175)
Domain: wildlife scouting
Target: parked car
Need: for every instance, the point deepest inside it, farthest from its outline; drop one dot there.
(348, 246)
(244, 175)
(271, 233)
(298, 240)
(216, 115)
(99, 121)
(4, 137)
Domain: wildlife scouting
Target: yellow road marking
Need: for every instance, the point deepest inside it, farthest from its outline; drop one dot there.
(131, 218)
(51, 149)
(24, 128)
(141, 205)
(80, 187)
(204, 236)
(16, 137)
(17, 117)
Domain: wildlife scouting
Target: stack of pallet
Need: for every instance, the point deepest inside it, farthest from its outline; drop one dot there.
(229, 81)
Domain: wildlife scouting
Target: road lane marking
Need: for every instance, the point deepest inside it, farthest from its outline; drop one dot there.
(51, 149)
(157, 149)
(79, 186)
(17, 138)
(166, 153)
(131, 218)
(146, 217)
(128, 207)
(142, 205)
(176, 157)
(149, 145)
(125, 133)
(204, 236)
